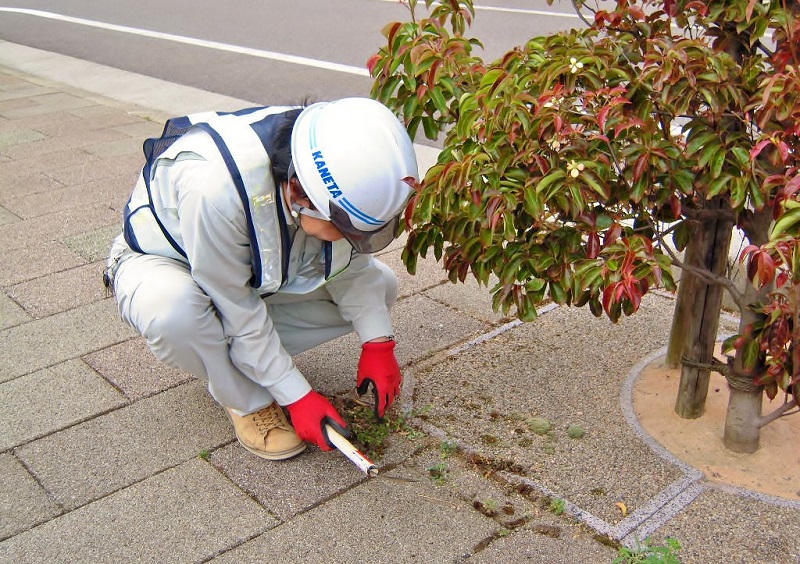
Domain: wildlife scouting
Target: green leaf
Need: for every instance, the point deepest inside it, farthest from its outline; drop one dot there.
(531, 203)
(439, 100)
(718, 186)
(709, 153)
(750, 354)
(601, 190)
(528, 312)
(430, 127)
(685, 180)
(699, 141)
(680, 236)
(604, 221)
(554, 176)
(558, 293)
(595, 306)
(717, 162)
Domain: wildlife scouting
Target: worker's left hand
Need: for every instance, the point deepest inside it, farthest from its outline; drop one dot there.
(378, 366)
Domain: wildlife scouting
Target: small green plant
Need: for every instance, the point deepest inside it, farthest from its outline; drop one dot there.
(558, 505)
(439, 472)
(539, 425)
(491, 505)
(575, 431)
(645, 552)
(205, 454)
(371, 434)
(448, 449)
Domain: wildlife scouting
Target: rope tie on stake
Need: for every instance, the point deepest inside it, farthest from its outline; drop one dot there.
(737, 381)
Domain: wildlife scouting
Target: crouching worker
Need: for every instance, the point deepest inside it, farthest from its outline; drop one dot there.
(247, 240)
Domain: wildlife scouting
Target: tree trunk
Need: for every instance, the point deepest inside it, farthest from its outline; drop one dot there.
(711, 240)
(682, 318)
(742, 430)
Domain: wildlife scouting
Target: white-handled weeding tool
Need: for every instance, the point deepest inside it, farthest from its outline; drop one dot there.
(351, 452)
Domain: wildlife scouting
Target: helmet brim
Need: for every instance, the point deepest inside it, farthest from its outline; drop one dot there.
(364, 242)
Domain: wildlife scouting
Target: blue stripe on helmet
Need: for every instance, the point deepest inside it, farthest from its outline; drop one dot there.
(357, 213)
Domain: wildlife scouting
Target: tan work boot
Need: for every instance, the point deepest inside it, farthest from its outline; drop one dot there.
(267, 433)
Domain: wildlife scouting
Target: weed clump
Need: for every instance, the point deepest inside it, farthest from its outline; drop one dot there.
(539, 425)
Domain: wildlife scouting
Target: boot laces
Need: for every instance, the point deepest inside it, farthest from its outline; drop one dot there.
(268, 418)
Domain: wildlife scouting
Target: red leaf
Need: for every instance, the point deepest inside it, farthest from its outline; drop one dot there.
(612, 234)
(749, 10)
(699, 7)
(593, 245)
(602, 115)
(476, 197)
(766, 268)
(372, 61)
(432, 73)
(634, 294)
(608, 297)
(783, 148)
(493, 212)
(410, 209)
(627, 124)
(497, 82)
(636, 12)
(746, 251)
(393, 31)
(639, 166)
(675, 206)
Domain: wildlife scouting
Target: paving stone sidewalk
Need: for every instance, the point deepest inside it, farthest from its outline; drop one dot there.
(109, 456)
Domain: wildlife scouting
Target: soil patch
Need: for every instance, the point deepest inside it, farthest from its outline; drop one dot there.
(774, 469)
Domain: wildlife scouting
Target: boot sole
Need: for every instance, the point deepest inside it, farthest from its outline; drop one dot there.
(286, 454)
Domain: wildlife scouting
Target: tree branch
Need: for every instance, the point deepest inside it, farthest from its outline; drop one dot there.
(709, 277)
(580, 14)
(705, 214)
(782, 411)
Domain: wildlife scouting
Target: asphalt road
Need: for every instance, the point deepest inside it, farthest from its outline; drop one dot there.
(265, 51)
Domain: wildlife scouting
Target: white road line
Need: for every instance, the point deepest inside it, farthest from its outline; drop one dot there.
(512, 10)
(530, 12)
(196, 42)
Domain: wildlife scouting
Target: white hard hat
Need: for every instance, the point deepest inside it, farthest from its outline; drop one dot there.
(351, 157)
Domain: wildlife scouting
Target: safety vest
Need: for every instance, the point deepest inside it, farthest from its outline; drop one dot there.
(243, 140)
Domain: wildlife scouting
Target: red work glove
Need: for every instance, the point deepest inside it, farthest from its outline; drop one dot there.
(309, 416)
(378, 366)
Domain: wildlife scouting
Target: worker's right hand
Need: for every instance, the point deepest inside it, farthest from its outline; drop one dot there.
(309, 416)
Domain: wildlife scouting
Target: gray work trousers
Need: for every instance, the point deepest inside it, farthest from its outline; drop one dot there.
(160, 299)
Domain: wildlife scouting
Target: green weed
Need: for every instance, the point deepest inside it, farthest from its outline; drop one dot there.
(371, 434)
(439, 472)
(650, 554)
(558, 505)
(448, 448)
